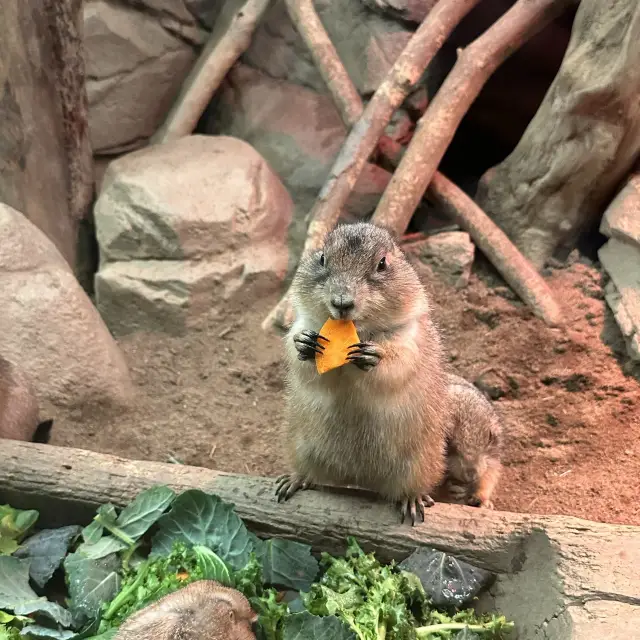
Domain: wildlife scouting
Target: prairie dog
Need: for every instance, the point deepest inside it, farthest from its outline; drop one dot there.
(378, 422)
(473, 446)
(19, 406)
(203, 610)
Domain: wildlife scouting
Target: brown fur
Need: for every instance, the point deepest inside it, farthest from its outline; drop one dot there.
(203, 610)
(474, 445)
(383, 429)
(18, 404)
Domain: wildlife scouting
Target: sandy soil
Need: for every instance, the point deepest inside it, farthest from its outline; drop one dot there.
(215, 398)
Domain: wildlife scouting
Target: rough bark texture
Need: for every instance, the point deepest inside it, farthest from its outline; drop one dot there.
(46, 169)
(366, 132)
(582, 141)
(559, 578)
(438, 125)
(228, 41)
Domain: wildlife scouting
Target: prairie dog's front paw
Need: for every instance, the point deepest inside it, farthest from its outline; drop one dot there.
(365, 355)
(307, 344)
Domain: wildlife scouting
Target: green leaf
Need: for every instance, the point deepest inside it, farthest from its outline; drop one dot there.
(197, 518)
(107, 635)
(127, 528)
(47, 549)
(304, 626)
(138, 517)
(91, 583)
(212, 566)
(14, 525)
(288, 564)
(101, 549)
(38, 631)
(93, 532)
(17, 596)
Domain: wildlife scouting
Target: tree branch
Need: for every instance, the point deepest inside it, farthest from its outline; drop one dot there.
(369, 127)
(228, 41)
(324, 54)
(436, 128)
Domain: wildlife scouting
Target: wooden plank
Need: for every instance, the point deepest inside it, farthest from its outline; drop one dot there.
(555, 571)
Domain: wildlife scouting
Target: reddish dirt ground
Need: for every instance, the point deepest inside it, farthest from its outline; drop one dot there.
(215, 398)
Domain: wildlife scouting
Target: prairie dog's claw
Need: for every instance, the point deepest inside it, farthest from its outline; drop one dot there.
(415, 507)
(288, 485)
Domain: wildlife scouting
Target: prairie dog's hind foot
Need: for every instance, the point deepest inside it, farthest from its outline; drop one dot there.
(476, 501)
(307, 344)
(414, 507)
(289, 484)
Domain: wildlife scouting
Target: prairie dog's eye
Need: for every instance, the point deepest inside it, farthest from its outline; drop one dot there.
(232, 616)
(382, 265)
(322, 259)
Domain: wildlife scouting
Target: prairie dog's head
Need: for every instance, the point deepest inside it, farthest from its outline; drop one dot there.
(362, 275)
(203, 610)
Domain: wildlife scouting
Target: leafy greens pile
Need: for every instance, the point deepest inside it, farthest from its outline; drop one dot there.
(161, 542)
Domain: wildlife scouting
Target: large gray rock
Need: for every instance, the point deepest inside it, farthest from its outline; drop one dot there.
(185, 226)
(621, 261)
(49, 326)
(368, 45)
(582, 141)
(135, 67)
(298, 131)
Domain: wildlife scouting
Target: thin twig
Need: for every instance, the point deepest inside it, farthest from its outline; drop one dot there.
(367, 130)
(227, 42)
(438, 125)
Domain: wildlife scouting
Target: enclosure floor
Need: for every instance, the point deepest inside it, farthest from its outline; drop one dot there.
(573, 429)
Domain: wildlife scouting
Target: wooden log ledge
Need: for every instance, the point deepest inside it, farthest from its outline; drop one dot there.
(560, 578)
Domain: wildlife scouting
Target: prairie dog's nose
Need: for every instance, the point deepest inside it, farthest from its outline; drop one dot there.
(343, 302)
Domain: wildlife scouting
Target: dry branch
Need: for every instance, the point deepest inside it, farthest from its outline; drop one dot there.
(228, 41)
(345, 95)
(438, 125)
(368, 129)
(518, 272)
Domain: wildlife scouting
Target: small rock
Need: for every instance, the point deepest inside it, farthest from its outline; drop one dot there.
(621, 260)
(449, 254)
(621, 219)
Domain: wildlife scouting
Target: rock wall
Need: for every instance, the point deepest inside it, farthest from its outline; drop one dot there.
(45, 156)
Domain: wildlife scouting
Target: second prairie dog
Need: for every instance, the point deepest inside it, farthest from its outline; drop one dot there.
(380, 421)
(474, 444)
(203, 610)
(18, 404)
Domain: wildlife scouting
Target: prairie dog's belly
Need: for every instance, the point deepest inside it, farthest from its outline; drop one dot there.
(345, 437)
